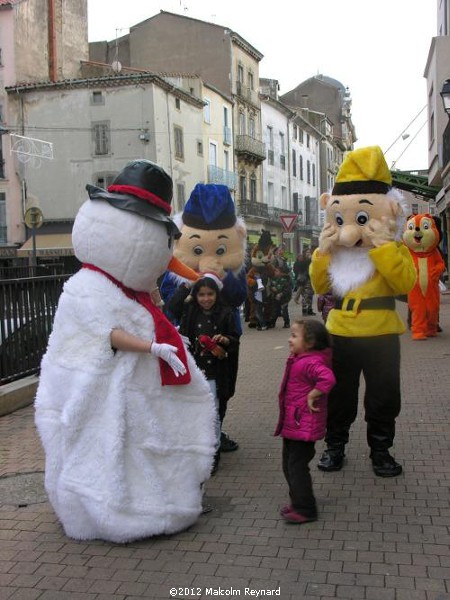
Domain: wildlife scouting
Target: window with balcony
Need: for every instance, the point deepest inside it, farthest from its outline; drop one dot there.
(226, 127)
(101, 138)
(213, 154)
(251, 127)
(179, 142)
(3, 235)
(242, 123)
(243, 186)
(253, 194)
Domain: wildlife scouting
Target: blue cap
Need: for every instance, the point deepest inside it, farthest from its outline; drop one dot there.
(209, 206)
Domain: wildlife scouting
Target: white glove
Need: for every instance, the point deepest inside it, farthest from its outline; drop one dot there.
(169, 353)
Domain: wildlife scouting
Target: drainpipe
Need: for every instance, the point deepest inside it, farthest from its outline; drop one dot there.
(51, 41)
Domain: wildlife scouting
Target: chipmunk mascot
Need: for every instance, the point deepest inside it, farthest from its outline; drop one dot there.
(260, 305)
(125, 416)
(213, 239)
(361, 259)
(422, 237)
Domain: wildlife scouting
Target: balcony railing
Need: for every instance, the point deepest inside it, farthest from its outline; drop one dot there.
(222, 177)
(274, 213)
(253, 209)
(245, 144)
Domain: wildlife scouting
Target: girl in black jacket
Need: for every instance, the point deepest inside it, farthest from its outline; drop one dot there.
(210, 326)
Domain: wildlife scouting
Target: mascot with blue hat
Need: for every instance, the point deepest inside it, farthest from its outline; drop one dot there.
(213, 240)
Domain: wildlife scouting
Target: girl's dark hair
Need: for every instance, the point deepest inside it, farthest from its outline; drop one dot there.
(205, 282)
(314, 333)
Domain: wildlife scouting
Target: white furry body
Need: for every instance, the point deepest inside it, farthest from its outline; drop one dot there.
(125, 456)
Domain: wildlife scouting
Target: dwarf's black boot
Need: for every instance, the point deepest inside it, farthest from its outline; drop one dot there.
(384, 465)
(332, 459)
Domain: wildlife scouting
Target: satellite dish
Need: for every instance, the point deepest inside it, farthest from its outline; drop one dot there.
(116, 66)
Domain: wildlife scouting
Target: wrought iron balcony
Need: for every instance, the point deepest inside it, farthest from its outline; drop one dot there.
(253, 209)
(222, 177)
(251, 147)
(274, 213)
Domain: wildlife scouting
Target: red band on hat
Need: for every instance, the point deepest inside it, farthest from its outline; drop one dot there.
(142, 194)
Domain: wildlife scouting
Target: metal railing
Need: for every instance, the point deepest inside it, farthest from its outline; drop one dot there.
(250, 145)
(253, 209)
(27, 309)
(222, 177)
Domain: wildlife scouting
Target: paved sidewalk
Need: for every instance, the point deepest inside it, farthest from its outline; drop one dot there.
(376, 539)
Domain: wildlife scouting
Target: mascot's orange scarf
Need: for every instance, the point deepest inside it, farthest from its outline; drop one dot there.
(165, 332)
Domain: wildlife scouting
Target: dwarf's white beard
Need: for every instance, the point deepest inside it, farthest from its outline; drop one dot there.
(350, 268)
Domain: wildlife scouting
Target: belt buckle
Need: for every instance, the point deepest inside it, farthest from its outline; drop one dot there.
(350, 307)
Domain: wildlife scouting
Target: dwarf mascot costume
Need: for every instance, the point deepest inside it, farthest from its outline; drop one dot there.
(213, 239)
(125, 416)
(362, 262)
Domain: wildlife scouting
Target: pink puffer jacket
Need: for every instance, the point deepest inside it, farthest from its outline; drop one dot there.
(304, 372)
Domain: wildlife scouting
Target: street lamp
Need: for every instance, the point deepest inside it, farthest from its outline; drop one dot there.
(445, 95)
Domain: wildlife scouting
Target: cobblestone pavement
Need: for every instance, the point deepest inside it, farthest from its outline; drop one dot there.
(376, 539)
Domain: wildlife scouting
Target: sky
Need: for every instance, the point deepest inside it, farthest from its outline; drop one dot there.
(378, 49)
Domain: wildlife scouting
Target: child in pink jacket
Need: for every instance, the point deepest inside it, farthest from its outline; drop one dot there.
(303, 397)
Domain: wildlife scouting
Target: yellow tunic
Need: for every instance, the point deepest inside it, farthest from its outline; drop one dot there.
(395, 275)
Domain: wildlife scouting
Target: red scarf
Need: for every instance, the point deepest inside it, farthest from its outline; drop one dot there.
(165, 332)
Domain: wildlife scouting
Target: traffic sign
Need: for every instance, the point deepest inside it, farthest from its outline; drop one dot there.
(288, 222)
(288, 235)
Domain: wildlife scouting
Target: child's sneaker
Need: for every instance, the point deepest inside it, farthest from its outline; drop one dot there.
(285, 509)
(292, 516)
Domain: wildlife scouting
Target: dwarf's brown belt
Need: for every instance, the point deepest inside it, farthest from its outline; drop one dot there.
(382, 303)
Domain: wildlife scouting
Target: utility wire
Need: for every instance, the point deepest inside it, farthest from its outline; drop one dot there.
(407, 127)
(409, 144)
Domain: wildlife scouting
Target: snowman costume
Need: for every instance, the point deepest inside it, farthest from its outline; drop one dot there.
(126, 453)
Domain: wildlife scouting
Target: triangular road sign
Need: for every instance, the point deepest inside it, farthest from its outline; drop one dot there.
(288, 222)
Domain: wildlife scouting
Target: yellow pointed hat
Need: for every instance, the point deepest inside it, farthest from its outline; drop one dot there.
(363, 171)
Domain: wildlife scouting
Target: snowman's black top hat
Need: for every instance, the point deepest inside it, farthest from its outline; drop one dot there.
(141, 187)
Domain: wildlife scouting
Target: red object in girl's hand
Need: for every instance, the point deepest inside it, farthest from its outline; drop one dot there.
(212, 346)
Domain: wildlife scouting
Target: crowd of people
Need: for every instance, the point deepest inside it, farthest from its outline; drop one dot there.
(150, 369)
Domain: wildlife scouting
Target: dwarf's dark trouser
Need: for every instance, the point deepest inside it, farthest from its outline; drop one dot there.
(378, 359)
